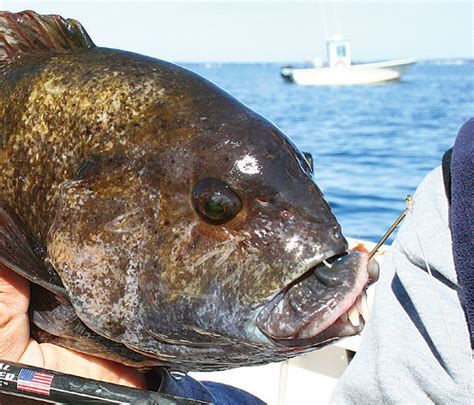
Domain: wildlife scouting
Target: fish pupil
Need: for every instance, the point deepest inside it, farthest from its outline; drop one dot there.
(214, 208)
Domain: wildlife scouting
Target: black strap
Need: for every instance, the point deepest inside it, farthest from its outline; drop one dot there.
(447, 172)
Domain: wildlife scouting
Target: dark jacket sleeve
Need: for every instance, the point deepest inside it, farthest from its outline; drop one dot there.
(462, 217)
(215, 393)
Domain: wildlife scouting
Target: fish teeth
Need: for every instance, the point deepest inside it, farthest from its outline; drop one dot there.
(327, 264)
(353, 315)
(360, 307)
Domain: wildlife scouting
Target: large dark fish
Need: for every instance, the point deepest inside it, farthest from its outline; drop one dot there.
(160, 221)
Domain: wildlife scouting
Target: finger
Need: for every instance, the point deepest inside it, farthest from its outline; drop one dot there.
(64, 360)
(14, 324)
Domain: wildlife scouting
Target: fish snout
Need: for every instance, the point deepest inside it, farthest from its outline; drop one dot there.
(308, 311)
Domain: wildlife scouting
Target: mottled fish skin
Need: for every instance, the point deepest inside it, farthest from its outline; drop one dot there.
(100, 152)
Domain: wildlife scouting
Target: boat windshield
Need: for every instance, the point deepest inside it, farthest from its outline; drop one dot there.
(341, 51)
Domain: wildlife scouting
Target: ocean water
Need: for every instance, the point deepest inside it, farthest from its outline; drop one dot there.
(371, 145)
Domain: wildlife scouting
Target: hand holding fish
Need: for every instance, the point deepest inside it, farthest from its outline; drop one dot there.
(17, 345)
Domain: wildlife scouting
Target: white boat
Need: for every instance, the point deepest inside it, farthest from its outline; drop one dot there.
(341, 71)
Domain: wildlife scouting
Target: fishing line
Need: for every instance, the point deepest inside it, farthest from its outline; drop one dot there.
(323, 19)
(410, 203)
(336, 19)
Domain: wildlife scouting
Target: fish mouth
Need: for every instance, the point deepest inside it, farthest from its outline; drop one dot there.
(321, 306)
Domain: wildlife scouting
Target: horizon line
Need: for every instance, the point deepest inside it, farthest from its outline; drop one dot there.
(246, 61)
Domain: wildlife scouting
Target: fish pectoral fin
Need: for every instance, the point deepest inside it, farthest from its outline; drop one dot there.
(26, 33)
(18, 252)
(54, 320)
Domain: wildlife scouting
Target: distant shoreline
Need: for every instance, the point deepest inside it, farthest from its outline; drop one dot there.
(440, 61)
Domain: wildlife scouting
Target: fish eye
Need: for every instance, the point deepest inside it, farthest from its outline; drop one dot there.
(215, 201)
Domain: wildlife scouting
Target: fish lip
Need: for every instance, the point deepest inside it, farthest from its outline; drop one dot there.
(333, 333)
(287, 330)
(311, 266)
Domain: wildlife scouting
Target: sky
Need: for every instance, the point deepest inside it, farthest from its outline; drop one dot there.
(271, 31)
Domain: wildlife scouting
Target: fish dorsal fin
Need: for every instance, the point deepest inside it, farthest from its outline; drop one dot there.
(27, 32)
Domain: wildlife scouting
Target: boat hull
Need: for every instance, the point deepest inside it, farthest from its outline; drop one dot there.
(366, 73)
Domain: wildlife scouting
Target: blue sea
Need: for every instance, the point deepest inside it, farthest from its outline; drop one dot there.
(371, 144)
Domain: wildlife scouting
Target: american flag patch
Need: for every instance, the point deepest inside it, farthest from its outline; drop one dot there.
(34, 381)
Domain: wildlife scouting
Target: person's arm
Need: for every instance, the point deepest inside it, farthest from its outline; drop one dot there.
(416, 345)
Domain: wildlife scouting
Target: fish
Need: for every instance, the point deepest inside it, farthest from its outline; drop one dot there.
(161, 222)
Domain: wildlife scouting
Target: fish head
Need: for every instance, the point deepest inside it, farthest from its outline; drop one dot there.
(247, 246)
(205, 249)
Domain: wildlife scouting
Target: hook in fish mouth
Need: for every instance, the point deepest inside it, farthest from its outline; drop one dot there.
(322, 305)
